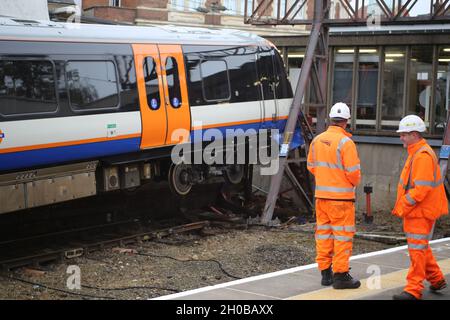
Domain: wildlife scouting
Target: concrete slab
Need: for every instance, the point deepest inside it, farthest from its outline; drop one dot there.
(304, 282)
(227, 294)
(281, 286)
(426, 294)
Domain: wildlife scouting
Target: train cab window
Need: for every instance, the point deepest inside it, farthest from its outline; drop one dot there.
(283, 88)
(215, 80)
(151, 83)
(266, 72)
(243, 76)
(92, 85)
(27, 87)
(173, 82)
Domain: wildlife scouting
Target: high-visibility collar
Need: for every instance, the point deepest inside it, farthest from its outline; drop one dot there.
(337, 129)
(416, 146)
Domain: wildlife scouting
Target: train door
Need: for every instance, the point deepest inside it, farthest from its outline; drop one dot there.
(162, 93)
(175, 90)
(266, 76)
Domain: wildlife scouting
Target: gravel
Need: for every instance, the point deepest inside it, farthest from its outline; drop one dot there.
(183, 262)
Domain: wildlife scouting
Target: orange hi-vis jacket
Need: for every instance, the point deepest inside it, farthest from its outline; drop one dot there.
(420, 191)
(333, 160)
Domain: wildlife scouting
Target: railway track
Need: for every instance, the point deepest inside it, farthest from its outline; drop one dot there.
(54, 247)
(64, 232)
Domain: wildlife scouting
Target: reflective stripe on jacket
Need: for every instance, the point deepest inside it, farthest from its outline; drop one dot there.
(333, 160)
(420, 191)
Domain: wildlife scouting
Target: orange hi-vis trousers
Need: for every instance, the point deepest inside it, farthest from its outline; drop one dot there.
(423, 264)
(334, 233)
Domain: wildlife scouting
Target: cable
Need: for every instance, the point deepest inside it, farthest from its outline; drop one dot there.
(130, 288)
(189, 260)
(55, 289)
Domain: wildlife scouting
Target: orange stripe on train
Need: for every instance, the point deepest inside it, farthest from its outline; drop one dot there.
(68, 143)
(229, 124)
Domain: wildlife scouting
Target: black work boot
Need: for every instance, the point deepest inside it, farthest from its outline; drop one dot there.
(345, 281)
(438, 286)
(327, 277)
(404, 296)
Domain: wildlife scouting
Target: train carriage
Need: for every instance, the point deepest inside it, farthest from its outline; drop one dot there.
(93, 108)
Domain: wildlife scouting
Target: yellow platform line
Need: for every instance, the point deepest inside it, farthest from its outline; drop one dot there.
(388, 281)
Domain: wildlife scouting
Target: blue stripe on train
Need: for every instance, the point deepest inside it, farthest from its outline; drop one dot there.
(50, 156)
(53, 156)
(297, 139)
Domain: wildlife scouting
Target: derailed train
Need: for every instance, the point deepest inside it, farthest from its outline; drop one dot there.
(86, 109)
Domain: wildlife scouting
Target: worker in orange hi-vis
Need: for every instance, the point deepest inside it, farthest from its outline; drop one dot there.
(420, 201)
(333, 160)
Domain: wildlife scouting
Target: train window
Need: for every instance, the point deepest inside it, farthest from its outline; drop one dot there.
(151, 83)
(27, 87)
(173, 82)
(194, 80)
(266, 72)
(92, 85)
(215, 80)
(243, 75)
(283, 87)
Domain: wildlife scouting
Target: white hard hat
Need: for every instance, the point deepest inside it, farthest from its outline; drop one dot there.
(411, 123)
(340, 110)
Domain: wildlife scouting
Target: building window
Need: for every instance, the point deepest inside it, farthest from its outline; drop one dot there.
(92, 85)
(442, 98)
(343, 76)
(114, 3)
(420, 82)
(366, 106)
(393, 87)
(178, 5)
(27, 87)
(295, 60)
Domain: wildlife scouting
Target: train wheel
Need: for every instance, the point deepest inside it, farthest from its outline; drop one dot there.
(180, 179)
(234, 173)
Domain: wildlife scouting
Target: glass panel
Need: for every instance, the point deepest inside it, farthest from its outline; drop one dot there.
(27, 87)
(243, 75)
(343, 76)
(366, 106)
(151, 84)
(295, 60)
(282, 86)
(420, 82)
(393, 87)
(338, 11)
(442, 98)
(216, 85)
(173, 82)
(194, 80)
(420, 8)
(265, 71)
(92, 84)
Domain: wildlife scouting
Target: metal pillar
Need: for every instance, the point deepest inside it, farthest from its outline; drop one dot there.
(314, 68)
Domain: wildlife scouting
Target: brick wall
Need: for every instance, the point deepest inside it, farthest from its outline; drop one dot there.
(94, 3)
(115, 14)
(159, 4)
(152, 14)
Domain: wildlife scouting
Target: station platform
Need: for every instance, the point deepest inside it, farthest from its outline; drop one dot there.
(382, 274)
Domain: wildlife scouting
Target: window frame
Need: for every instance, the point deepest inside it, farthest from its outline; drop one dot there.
(69, 100)
(203, 59)
(157, 79)
(55, 84)
(178, 77)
